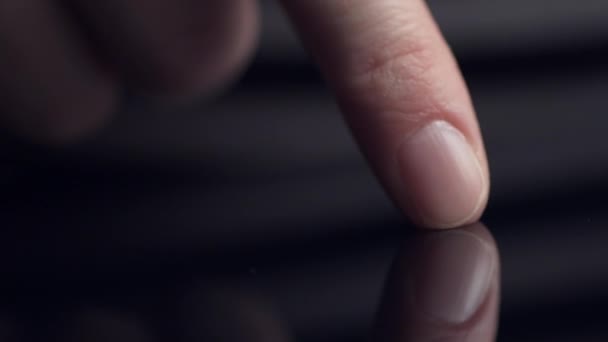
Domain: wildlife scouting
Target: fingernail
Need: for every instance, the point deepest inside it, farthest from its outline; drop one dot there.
(453, 278)
(443, 176)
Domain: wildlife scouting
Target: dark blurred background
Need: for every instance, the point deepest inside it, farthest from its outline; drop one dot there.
(263, 190)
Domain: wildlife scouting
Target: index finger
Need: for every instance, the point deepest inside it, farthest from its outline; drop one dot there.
(404, 98)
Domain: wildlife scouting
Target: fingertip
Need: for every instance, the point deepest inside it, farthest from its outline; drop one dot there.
(446, 185)
(210, 60)
(175, 50)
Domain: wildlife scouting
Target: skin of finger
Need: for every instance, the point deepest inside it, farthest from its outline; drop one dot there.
(53, 90)
(399, 320)
(178, 48)
(392, 72)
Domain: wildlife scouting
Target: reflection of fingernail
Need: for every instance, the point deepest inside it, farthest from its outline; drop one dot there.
(453, 277)
(443, 175)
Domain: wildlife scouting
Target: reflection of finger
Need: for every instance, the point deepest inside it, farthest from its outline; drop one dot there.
(444, 288)
(51, 87)
(231, 316)
(405, 100)
(174, 45)
(102, 326)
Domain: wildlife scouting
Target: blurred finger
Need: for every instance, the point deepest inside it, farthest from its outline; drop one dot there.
(405, 100)
(52, 88)
(174, 46)
(445, 287)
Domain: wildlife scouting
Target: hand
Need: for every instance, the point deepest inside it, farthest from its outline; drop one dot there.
(64, 64)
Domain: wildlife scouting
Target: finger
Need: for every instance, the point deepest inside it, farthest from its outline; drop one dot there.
(444, 287)
(405, 100)
(174, 46)
(52, 88)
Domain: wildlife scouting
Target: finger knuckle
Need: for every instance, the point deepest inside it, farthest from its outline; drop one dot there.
(396, 64)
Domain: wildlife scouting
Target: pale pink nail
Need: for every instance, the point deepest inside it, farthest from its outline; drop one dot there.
(442, 175)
